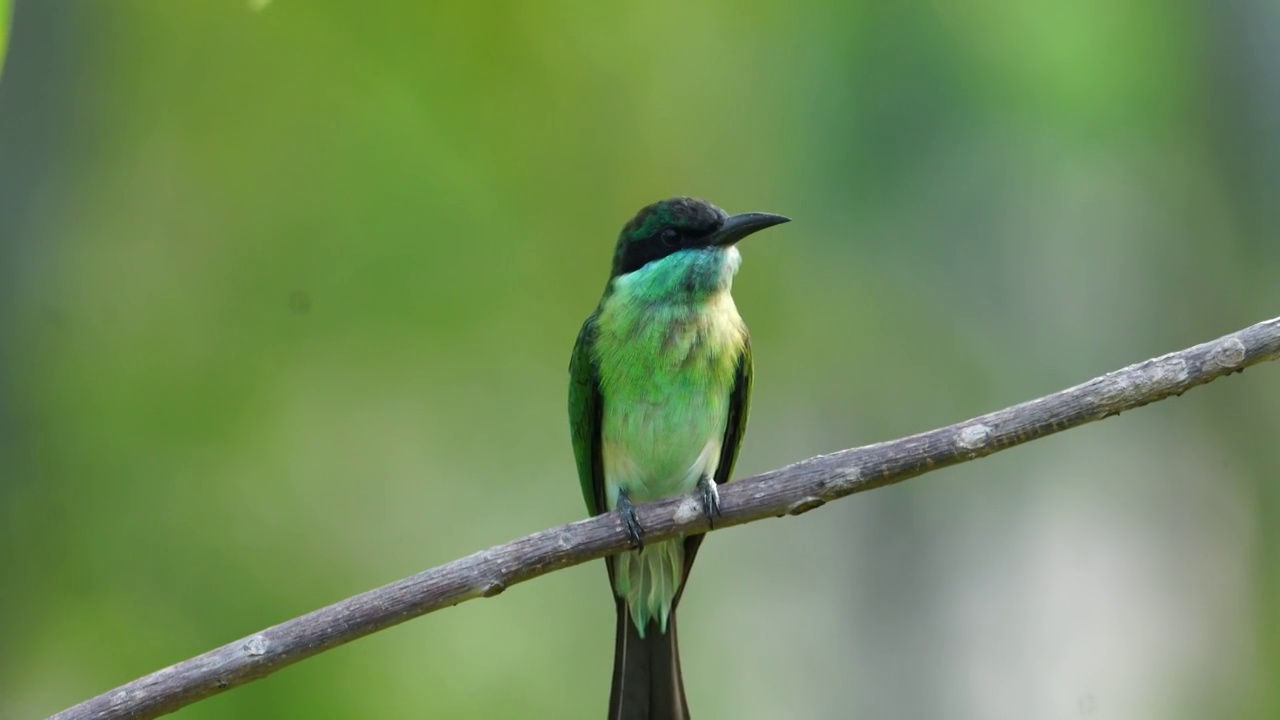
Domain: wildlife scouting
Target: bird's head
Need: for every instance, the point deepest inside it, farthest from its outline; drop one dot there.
(696, 230)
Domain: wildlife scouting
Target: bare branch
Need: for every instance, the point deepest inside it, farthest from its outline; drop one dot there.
(793, 489)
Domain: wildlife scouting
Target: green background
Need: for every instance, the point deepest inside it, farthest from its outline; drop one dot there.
(287, 294)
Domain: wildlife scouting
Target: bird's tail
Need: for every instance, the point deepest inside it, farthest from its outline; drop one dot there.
(646, 672)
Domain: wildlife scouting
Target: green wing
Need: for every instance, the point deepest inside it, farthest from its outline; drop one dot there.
(585, 408)
(739, 405)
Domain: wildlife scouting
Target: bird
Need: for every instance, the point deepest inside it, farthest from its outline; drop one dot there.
(659, 392)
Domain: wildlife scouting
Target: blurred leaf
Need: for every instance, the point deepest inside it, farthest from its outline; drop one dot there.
(5, 16)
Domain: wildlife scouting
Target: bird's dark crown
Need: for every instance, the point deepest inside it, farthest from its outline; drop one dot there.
(663, 228)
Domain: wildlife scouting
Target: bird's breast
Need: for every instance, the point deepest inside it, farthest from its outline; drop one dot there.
(666, 372)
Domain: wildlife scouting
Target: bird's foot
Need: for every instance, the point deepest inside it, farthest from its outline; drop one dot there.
(710, 499)
(629, 521)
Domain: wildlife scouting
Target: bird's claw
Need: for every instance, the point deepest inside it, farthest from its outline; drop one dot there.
(629, 520)
(710, 500)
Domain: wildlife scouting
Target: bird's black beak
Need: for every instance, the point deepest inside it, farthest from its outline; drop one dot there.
(736, 227)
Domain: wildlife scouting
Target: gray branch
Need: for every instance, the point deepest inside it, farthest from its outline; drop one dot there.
(791, 490)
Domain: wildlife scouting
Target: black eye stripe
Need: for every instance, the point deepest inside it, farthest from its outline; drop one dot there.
(633, 253)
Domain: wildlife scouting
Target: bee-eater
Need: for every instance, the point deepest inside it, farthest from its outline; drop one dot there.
(660, 382)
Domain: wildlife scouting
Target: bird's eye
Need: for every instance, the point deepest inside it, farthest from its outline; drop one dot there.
(670, 237)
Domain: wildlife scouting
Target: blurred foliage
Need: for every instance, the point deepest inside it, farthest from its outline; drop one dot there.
(287, 293)
(4, 31)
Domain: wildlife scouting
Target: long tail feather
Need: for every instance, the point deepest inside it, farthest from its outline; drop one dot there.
(647, 684)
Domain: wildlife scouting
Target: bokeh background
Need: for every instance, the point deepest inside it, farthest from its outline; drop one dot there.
(287, 293)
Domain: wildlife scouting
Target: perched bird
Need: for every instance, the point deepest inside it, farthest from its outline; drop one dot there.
(660, 382)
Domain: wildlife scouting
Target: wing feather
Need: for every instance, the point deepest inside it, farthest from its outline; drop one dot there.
(585, 413)
(739, 407)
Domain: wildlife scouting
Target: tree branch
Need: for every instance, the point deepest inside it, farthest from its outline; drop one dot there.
(792, 490)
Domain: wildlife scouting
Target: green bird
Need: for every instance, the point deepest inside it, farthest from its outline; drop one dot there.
(660, 383)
